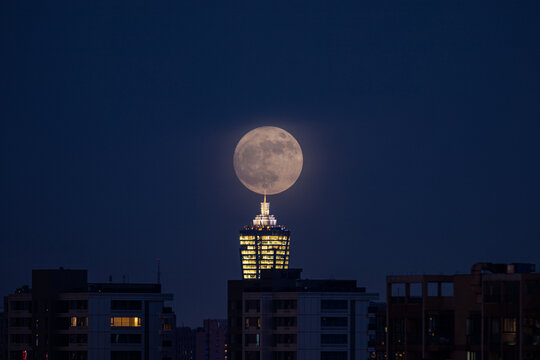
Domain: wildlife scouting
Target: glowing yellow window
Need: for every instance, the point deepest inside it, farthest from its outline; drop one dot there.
(134, 321)
(78, 321)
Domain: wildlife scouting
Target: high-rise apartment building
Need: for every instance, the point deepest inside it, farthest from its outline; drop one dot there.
(264, 245)
(63, 317)
(282, 317)
(490, 314)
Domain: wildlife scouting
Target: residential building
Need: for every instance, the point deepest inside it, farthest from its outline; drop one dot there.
(167, 334)
(264, 244)
(185, 343)
(63, 317)
(211, 340)
(377, 330)
(283, 317)
(490, 314)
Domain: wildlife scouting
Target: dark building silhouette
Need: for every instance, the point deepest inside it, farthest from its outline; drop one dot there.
(490, 314)
(211, 340)
(282, 317)
(63, 317)
(185, 343)
(377, 330)
(3, 336)
(264, 245)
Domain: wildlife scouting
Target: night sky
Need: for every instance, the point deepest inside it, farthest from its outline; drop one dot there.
(419, 123)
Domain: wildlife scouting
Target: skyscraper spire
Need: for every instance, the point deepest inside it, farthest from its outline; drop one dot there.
(264, 218)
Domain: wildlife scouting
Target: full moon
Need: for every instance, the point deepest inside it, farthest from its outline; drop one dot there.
(268, 160)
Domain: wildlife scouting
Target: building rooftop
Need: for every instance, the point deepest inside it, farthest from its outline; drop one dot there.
(124, 288)
(75, 281)
(487, 269)
(289, 280)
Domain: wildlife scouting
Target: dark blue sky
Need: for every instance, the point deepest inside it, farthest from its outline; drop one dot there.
(419, 123)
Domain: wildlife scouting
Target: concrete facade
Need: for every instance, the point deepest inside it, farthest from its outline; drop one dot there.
(281, 317)
(491, 314)
(64, 317)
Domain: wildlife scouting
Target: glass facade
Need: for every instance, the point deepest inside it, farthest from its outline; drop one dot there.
(264, 245)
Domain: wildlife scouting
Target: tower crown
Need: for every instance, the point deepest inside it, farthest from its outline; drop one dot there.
(264, 218)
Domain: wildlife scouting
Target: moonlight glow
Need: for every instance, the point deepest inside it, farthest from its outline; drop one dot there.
(268, 160)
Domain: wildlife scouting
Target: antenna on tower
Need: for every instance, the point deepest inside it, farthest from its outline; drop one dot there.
(158, 271)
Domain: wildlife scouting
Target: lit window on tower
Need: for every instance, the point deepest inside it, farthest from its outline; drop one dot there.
(264, 245)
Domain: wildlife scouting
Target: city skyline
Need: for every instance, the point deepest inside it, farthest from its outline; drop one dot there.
(418, 125)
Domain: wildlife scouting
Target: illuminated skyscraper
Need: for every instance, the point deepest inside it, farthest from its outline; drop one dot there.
(264, 244)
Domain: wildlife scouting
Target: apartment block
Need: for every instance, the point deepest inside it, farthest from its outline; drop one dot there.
(492, 313)
(63, 317)
(283, 317)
